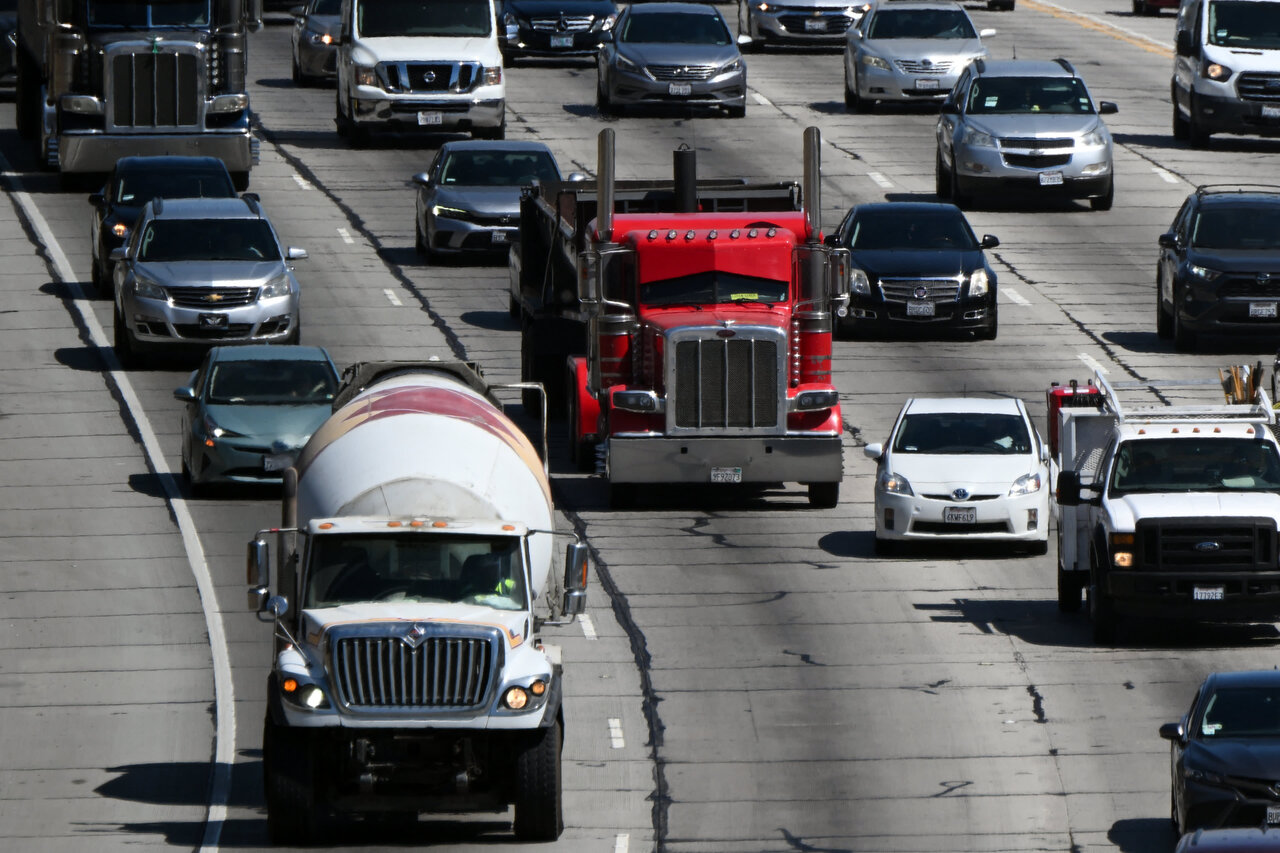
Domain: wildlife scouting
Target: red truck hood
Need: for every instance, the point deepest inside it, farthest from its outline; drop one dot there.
(748, 314)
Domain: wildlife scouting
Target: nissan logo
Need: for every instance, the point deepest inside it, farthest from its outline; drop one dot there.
(1208, 547)
(960, 494)
(428, 76)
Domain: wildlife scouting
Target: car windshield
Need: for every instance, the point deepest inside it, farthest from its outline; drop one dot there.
(712, 287)
(141, 186)
(911, 230)
(130, 14)
(260, 383)
(420, 567)
(208, 240)
(1195, 465)
(963, 433)
(1245, 24)
(921, 24)
(327, 7)
(389, 18)
(1241, 712)
(1029, 95)
(674, 28)
(497, 168)
(1242, 228)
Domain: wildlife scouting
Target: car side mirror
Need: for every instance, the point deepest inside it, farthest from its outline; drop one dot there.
(96, 199)
(293, 253)
(1173, 731)
(949, 108)
(873, 451)
(1183, 43)
(184, 394)
(117, 254)
(577, 176)
(1168, 241)
(990, 241)
(422, 179)
(1106, 108)
(253, 197)
(832, 239)
(606, 37)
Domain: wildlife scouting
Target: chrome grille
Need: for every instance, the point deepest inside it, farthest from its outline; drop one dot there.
(212, 297)
(682, 72)
(563, 24)
(937, 290)
(920, 66)
(430, 76)
(726, 383)
(387, 672)
(155, 90)
(1259, 86)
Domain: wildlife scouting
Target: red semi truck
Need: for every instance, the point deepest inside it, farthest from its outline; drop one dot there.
(695, 337)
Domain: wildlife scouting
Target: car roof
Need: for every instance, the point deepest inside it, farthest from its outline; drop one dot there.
(170, 163)
(268, 352)
(908, 207)
(1237, 194)
(1245, 678)
(915, 4)
(204, 208)
(1022, 68)
(493, 145)
(662, 8)
(955, 405)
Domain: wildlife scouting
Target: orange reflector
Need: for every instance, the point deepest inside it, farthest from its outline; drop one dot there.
(1195, 429)
(393, 524)
(538, 688)
(416, 523)
(1175, 430)
(289, 685)
(1142, 432)
(508, 527)
(208, 442)
(439, 524)
(1249, 431)
(1217, 429)
(328, 525)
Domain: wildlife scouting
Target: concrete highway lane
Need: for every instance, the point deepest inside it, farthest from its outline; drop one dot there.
(752, 678)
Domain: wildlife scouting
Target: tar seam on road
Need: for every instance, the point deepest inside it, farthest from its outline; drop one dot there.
(140, 429)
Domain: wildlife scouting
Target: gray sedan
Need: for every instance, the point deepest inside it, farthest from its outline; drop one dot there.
(315, 41)
(671, 54)
(469, 199)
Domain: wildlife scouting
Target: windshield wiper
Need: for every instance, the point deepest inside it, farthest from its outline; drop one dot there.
(745, 300)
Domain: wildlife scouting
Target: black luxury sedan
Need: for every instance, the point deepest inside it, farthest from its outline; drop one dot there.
(554, 27)
(1219, 268)
(137, 180)
(1225, 756)
(917, 265)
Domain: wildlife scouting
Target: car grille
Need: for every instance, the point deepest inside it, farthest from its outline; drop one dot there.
(212, 297)
(430, 76)
(969, 499)
(726, 384)
(920, 66)
(1036, 161)
(155, 90)
(563, 24)
(388, 673)
(937, 290)
(1033, 143)
(801, 23)
(1251, 286)
(230, 332)
(1177, 545)
(1256, 86)
(682, 72)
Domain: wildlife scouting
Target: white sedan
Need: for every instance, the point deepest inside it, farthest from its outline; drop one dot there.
(962, 468)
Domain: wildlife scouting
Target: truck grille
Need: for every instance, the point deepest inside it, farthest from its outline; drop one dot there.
(726, 384)
(431, 76)
(210, 297)
(445, 672)
(682, 72)
(1206, 545)
(155, 90)
(1259, 86)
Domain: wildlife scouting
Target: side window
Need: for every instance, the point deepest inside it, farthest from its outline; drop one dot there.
(1183, 220)
(1191, 712)
(1104, 469)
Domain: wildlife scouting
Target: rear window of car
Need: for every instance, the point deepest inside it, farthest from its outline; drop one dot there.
(963, 433)
(208, 240)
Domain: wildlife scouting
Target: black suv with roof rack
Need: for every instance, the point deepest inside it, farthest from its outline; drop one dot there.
(1219, 269)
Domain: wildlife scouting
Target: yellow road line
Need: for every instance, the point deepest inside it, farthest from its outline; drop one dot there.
(1090, 23)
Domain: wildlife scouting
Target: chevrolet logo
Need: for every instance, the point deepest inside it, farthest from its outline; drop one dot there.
(213, 297)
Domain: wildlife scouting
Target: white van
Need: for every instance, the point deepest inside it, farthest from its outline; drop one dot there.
(420, 65)
(1226, 69)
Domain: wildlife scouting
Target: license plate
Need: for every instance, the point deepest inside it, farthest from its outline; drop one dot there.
(1271, 112)
(927, 83)
(430, 117)
(960, 515)
(1208, 593)
(726, 475)
(919, 309)
(679, 88)
(562, 41)
(213, 321)
(815, 25)
(1262, 309)
(500, 237)
(1273, 815)
(277, 461)
(1050, 179)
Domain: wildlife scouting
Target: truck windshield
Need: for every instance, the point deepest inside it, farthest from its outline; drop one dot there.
(1245, 24)
(712, 287)
(129, 14)
(1195, 465)
(168, 240)
(962, 434)
(388, 18)
(417, 567)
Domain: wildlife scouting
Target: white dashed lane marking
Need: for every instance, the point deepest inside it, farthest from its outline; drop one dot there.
(298, 179)
(392, 298)
(761, 99)
(880, 180)
(615, 733)
(1092, 362)
(346, 236)
(588, 627)
(1167, 176)
(1014, 296)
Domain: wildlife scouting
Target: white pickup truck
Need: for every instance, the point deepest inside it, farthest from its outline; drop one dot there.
(1165, 506)
(425, 65)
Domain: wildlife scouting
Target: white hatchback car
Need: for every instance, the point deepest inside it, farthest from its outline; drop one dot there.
(961, 468)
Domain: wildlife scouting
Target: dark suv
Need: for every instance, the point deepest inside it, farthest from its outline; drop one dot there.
(1219, 269)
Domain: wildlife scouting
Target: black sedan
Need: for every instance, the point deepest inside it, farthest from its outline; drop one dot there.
(555, 27)
(917, 265)
(137, 180)
(1225, 756)
(1219, 268)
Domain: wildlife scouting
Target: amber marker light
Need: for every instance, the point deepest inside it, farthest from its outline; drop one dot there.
(439, 524)
(290, 685)
(538, 688)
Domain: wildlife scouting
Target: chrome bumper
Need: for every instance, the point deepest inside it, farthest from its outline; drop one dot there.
(98, 152)
(773, 459)
(454, 113)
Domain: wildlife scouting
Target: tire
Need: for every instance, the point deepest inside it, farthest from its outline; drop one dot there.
(959, 199)
(604, 105)
(581, 453)
(737, 112)
(1069, 591)
(499, 132)
(96, 276)
(941, 180)
(824, 495)
(1197, 136)
(1104, 201)
(298, 78)
(420, 241)
(990, 332)
(340, 121)
(1181, 129)
(539, 808)
(623, 495)
(851, 100)
(1184, 340)
(296, 812)
(122, 341)
(1101, 611)
(240, 180)
(27, 97)
(1139, 7)
(1164, 320)
(531, 399)
(513, 307)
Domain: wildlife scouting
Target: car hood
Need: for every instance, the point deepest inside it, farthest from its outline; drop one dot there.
(486, 200)
(1255, 757)
(1048, 125)
(319, 620)
(979, 474)
(211, 273)
(324, 23)
(126, 213)
(1126, 510)
(425, 49)
(887, 262)
(552, 8)
(932, 49)
(679, 54)
(1236, 260)
(283, 427)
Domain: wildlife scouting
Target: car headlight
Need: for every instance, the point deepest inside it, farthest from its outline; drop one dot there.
(977, 138)
(303, 695)
(1094, 137)
(763, 7)
(1203, 776)
(366, 75)
(212, 430)
(876, 62)
(1216, 72)
(607, 22)
(319, 38)
(894, 484)
(626, 64)
(731, 65)
(492, 75)
(277, 287)
(859, 284)
(119, 230)
(1203, 272)
(145, 288)
(441, 211)
(1027, 484)
(978, 283)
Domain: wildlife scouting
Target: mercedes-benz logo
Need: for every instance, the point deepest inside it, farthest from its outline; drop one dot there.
(1208, 547)
(960, 494)
(920, 292)
(562, 25)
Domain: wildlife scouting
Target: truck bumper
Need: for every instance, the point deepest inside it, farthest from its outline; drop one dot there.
(445, 114)
(1245, 596)
(776, 459)
(1218, 114)
(98, 152)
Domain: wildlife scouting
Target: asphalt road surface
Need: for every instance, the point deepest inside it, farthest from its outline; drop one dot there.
(751, 677)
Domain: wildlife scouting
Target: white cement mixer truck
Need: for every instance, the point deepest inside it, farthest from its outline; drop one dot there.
(414, 574)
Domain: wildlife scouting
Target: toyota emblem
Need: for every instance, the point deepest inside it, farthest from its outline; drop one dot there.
(1264, 277)
(926, 62)
(1208, 547)
(921, 292)
(960, 494)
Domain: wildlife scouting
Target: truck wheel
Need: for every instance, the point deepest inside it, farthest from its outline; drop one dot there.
(1101, 610)
(295, 811)
(539, 812)
(1181, 130)
(1069, 589)
(824, 495)
(27, 110)
(623, 495)
(582, 453)
(1197, 136)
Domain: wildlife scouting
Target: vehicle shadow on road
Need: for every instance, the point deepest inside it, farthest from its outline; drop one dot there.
(1150, 342)
(1142, 835)
(491, 320)
(1222, 143)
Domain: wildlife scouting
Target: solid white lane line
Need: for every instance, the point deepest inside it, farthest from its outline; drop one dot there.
(346, 236)
(1014, 296)
(224, 752)
(761, 99)
(392, 298)
(880, 180)
(621, 842)
(588, 627)
(615, 733)
(1092, 363)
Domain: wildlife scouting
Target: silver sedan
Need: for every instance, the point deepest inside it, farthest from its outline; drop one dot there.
(315, 41)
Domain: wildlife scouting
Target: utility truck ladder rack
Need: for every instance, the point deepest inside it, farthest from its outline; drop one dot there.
(1240, 379)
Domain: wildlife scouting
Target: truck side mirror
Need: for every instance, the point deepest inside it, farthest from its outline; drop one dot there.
(1183, 43)
(1068, 489)
(839, 272)
(258, 573)
(576, 563)
(589, 278)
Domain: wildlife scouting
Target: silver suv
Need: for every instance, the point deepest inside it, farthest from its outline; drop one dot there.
(203, 271)
(1025, 126)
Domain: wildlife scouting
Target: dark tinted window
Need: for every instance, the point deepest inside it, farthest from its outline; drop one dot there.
(921, 24)
(497, 168)
(208, 240)
(674, 28)
(888, 229)
(1028, 95)
(1240, 712)
(388, 18)
(1218, 226)
(128, 13)
(963, 433)
(270, 382)
(1252, 25)
(327, 7)
(1195, 465)
(139, 186)
(713, 286)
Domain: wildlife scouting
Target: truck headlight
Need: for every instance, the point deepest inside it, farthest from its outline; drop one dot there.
(277, 287)
(894, 484)
(304, 695)
(366, 75)
(646, 402)
(978, 284)
(229, 103)
(1216, 72)
(492, 75)
(518, 698)
(1122, 550)
(808, 401)
(859, 284)
(1027, 484)
(876, 62)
